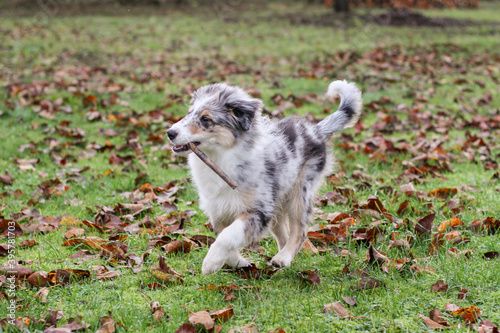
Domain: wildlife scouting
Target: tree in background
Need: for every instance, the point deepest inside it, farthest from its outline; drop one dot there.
(341, 6)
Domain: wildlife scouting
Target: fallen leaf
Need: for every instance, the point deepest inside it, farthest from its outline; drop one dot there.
(42, 294)
(202, 319)
(27, 243)
(437, 316)
(6, 179)
(378, 257)
(229, 296)
(450, 307)
(222, 315)
(108, 275)
(400, 243)
(439, 286)
(487, 326)
(39, 279)
(429, 322)
(91, 241)
(462, 293)
(186, 328)
(74, 233)
(337, 308)
(9, 228)
(310, 276)
(350, 300)
(491, 255)
(107, 324)
(424, 225)
(252, 328)
(469, 314)
(4, 249)
(451, 223)
(367, 283)
(165, 277)
(403, 207)
(443, 193)
(157, 311)
(19, 271)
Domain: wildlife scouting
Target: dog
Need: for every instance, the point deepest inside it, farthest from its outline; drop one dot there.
(278, 164)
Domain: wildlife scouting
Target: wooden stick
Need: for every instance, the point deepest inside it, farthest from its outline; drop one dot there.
(213, 166)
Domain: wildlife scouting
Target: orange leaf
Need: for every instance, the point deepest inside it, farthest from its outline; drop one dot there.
(453, 223)
(444, 193)
(470, 314)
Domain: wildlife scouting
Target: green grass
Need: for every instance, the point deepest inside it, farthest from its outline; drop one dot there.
(159, 57)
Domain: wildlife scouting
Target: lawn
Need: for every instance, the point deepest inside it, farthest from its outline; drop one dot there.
(86, 172)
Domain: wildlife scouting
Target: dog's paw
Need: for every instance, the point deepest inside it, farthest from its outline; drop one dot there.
(235, 259)
(215, 259)
(281, 260)
(211, 265)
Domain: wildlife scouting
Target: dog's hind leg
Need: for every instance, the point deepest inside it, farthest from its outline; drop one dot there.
(299, 213)
(300, 202)
(243, 231)
(280, 229)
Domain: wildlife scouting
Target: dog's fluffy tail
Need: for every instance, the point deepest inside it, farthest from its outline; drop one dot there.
(349, 109)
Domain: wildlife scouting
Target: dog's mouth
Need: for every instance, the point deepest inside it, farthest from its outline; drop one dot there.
(179, 149)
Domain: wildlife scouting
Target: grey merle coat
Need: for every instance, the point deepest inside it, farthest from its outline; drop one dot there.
(278, 165)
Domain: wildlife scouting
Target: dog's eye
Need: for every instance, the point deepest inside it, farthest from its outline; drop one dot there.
(205, 119)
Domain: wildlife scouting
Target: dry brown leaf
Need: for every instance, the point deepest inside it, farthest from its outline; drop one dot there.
(202, 319)
(429, 322)
(165, 277)
(91, 241)
(424, 225)
(349, 300)
(74, 233)
(308, 247)
(437, 316)
(367, 283)
(186, 328)
(450, 307)
(399, 243)
(252, 328)
(42, 294)
(439, 286)
(107, 325)
(108, 275)
(310, 276)
(462, 293)
(157, 311)
(39, 279)
(6, 179)
(76, 324)
(336, 307)
(222, 315)
(487, 326)
(19, 271)
(27, 243)
(229, 296)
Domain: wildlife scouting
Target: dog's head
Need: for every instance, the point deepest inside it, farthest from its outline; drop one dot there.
(218, 115)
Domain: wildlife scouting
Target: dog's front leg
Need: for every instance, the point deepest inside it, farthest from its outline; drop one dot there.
(225, 249)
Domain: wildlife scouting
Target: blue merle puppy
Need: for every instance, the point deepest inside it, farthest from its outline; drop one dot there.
(278, 164)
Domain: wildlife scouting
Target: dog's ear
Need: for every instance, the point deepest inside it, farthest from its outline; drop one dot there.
(244, 111)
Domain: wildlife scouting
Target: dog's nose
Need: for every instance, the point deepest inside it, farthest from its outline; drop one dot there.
(171, 134)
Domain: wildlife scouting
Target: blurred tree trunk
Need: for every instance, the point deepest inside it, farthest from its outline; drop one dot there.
(341, 6)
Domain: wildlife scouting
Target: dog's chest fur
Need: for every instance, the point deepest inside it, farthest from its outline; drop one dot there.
(220, 202)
